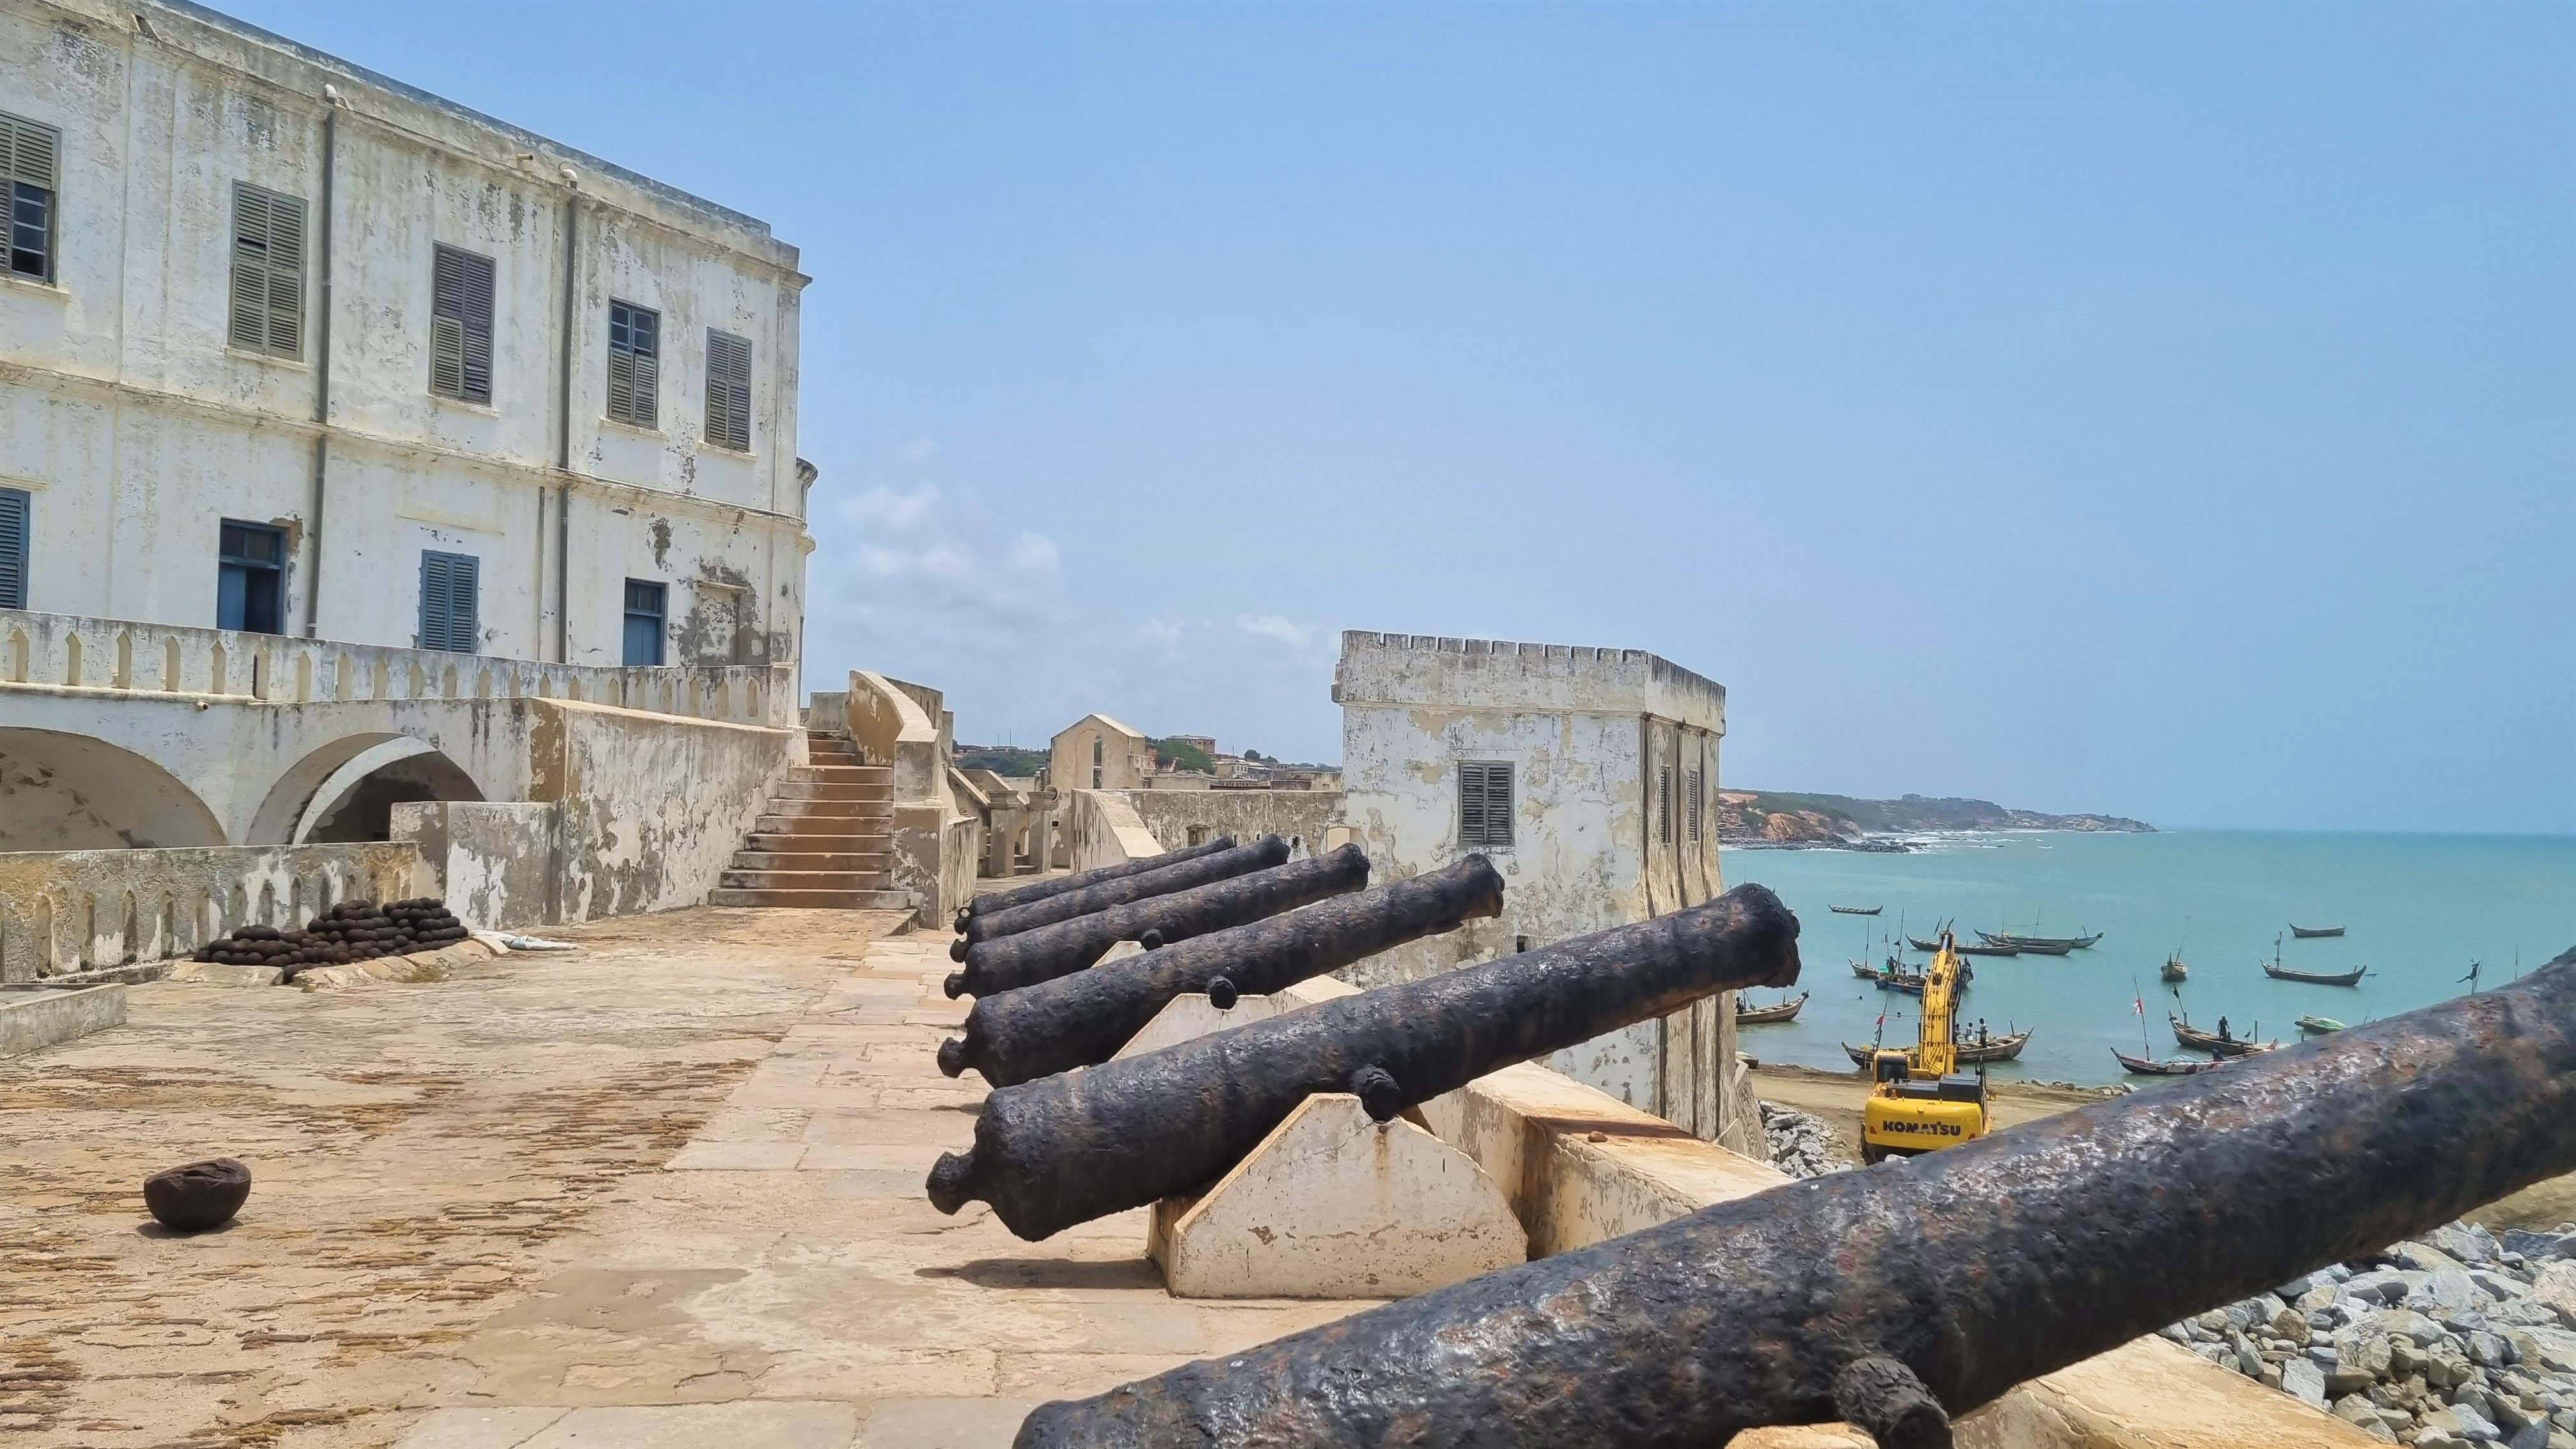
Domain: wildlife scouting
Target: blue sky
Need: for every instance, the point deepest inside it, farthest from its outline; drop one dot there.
(2164, 409)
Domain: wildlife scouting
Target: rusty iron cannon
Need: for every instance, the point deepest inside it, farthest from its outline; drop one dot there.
(1183, 875)
(1008, 963)
(1041, 889)
(1084, 1018)
(1065, 1149)
(1898, 1295)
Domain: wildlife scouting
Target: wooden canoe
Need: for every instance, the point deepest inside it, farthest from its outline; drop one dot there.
(1855, 910)
(1999, 1049)
(2214, 1044)
(2016, 938)
(2314, 933)
(2176, 1067)
(2315, 978)
(1762, 1015)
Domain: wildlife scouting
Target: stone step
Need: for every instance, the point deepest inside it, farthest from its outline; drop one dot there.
(816, 832)
(792, 789)
(854, 900)
(795, 807)
(795, 857)
(824, 772)
(807, 880)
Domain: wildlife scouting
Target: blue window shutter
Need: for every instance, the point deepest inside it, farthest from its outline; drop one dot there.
(433, 601)
(13, 549)
(462, 625)
(447, 601)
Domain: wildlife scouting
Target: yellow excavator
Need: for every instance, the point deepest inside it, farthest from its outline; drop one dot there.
(1919, 1100)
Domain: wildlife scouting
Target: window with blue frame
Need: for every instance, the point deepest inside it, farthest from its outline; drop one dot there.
(250, 578)
(644, 617)
(448, 587)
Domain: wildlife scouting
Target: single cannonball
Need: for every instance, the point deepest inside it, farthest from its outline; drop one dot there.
(198, 1196)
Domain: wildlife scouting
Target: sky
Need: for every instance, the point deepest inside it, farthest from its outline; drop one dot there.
(2151, 408)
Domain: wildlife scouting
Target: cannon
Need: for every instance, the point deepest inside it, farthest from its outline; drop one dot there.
(1065, 1149)
(1898, 1295)
(1011, 962)
(1040, 890)
(1083, 1019)
(1262, 854)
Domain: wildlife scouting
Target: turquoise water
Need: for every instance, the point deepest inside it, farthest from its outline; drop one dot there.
(2418, 908)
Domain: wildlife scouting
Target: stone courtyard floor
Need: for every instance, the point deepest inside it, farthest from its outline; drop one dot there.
(665, 1190)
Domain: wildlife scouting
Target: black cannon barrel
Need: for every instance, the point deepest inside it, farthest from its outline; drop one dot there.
(1066, 1149)
(1962, 1272)
(1011, 962)
(1083, 1019)
(1041, 889)
(1183, 875)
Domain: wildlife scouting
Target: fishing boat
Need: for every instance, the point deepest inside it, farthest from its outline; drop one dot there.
(1985, 950)
(2170, 1067)
(1864, 971)
(2175, 970)
(2279, 972)
(2319, 1025)
(1855, 910)
(1919, 944)
(1762, 1015)
(1971, 1053)
(2314, 933)
(2027, 942)
(2035, 948)
(2214, 1044)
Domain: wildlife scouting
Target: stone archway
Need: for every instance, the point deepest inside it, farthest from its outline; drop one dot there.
(61, 791)
(355, 803)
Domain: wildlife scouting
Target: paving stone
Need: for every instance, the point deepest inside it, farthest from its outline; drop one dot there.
(943, 1423)
(769, 1424)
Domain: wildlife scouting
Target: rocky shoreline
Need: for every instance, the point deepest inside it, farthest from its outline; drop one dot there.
(2458, 1338)
(2461, 1337)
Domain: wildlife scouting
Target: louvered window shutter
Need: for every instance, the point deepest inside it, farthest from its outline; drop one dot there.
(728, 391)
(1484, 804)
(13, 549)
(634, 364)
(268, 272)
(28, 151)
(447, 601)
(1664, 804)
(462, 594)
(1693, 778)
(433, 601)
(460, 325)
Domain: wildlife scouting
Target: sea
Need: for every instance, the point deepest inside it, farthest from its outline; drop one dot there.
(2418, 910)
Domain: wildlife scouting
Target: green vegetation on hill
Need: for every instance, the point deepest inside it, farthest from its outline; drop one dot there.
(1800, 815)
(1005, 760)
(1181, 755)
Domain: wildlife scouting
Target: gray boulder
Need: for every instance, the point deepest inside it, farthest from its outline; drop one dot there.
(2305, 1380)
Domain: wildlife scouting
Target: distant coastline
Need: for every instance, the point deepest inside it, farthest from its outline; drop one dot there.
(1795, 820)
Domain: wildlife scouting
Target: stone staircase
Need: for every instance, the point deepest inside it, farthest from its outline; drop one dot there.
(825, 838)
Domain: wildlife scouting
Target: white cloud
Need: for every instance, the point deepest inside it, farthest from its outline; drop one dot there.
(1035, 553)
(891, 509)
(918, 452)
(1271, 626)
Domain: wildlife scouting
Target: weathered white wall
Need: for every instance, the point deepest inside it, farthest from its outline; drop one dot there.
(494, 863)
(650, 809)
(70, 911)
(1586, 731)
(1299, 817)
(1101, 828)
(135, 427)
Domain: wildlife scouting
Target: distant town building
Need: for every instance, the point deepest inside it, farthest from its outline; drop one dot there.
(1096, 752)
(1206, 743)
(297, 349)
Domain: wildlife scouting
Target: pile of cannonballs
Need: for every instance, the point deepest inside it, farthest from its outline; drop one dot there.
(350, 931)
